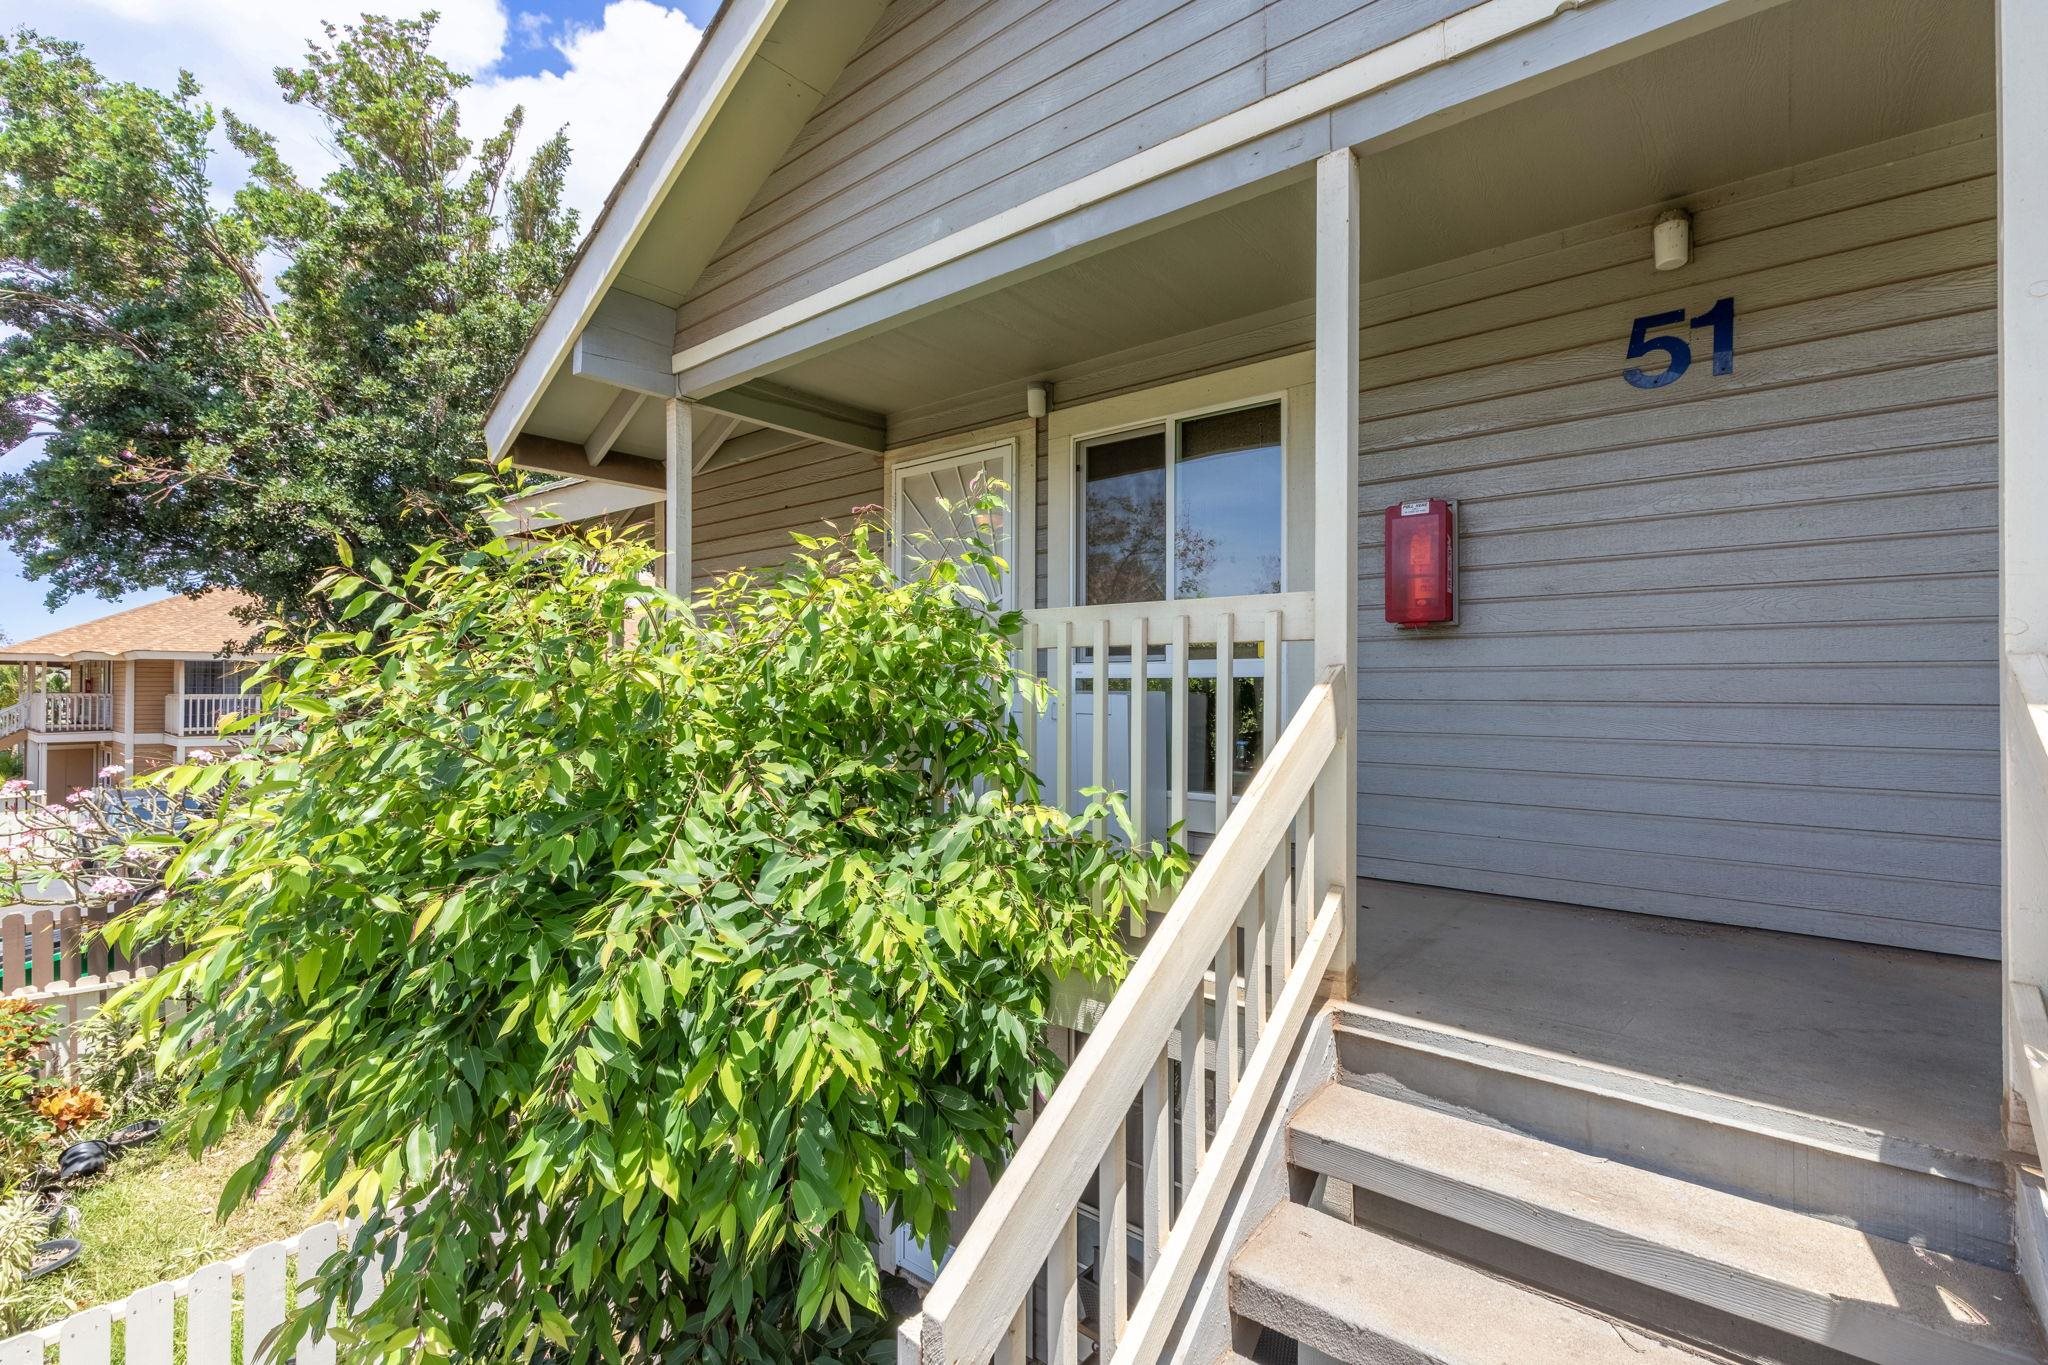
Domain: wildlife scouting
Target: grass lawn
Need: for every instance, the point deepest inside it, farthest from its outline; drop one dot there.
(150, 1217)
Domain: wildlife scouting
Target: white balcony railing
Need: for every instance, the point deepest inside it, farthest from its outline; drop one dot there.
(68, 712)
(1173, 703)
(201, 713)
(13, 716)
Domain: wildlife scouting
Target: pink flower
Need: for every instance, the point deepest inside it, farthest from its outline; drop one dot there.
(13, 786)
(113, 770)
(201, 756)
(108, 887)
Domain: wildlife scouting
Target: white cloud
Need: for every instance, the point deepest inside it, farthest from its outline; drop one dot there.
(616, 71)
(617, 74)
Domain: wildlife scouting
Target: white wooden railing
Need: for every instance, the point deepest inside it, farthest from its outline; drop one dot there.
(256, 1287)
(1098, 659)
(13, 716)
(192, 713)
(1217, 999)
(68, 711)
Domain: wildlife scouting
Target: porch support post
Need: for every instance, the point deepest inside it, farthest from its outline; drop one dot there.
(1336, 536)
(2022, 85)
(681, 464)
(128, 716)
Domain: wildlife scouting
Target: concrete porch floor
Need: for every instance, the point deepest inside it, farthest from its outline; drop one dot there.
(1902, 1043)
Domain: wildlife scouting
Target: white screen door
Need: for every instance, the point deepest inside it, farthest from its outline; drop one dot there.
(932, 517)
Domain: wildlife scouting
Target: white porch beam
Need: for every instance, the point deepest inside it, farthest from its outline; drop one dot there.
(612, 425)
(2022, 86)
(804, 414)
(1336, 537)
(676, 511)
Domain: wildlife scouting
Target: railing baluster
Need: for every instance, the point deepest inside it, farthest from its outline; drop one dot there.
(1226, 1020)
(1274, 717)
(1014, 1349)
(1063, 1296)
(1098, 748)
(1141, 648)
(1194, 1087)
(1279, 889)
(1063, 734)
(1226, 715)
(1112, 1247)
(1255, 962)
(1304, 881)
(1177, 728)
(1155, 1131)
(1027, 715)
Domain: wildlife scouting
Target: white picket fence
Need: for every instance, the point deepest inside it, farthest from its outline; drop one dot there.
(253, 1290)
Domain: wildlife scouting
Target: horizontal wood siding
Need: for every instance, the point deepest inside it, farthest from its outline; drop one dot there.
(1727, 646)
(744, 513)
(957, 110)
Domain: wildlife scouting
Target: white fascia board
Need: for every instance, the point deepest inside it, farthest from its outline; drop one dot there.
(714, 70)
(1287, 131)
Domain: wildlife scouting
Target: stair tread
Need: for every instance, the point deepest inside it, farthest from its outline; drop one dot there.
(1758, 1116)
(1347, 1291)
(1822, 1281)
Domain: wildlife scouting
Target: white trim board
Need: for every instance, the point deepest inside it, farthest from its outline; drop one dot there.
(1531, 45)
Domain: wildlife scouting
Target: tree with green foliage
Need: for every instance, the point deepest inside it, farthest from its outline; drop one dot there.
(222, 389)
(632, 953)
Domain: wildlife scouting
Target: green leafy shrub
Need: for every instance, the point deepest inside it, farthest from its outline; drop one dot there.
(632, 951)
(107, 1061)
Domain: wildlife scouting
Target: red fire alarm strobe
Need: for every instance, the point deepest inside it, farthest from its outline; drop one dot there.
(1422, 564)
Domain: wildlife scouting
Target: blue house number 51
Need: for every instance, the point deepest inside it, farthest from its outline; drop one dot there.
(1677, 350)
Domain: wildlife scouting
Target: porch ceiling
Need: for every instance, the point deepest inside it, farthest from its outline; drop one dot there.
(1794, 83)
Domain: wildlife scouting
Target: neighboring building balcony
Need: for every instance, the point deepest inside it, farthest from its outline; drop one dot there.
(70, 712)
(196, 713)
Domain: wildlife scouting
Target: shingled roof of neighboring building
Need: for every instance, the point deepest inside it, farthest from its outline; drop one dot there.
(195, 627)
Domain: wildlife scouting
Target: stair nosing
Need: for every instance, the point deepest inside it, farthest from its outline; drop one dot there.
(1703, 1258)
(1724, 1110)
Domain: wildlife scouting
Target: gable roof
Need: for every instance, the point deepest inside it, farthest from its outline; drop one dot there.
(195, 627)
(760, 69)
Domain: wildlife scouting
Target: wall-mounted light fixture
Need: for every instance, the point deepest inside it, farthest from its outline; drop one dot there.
(1037, 398)
(1671, 239)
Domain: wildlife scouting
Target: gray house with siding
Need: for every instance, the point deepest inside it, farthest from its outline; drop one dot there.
(1549, 495)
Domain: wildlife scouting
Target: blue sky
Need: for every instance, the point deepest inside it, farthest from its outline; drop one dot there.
(598, 67)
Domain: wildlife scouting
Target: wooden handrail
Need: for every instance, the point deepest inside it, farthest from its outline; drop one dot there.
(974, 1300)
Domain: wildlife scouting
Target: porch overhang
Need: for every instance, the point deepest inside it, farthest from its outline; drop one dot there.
(1494, 53)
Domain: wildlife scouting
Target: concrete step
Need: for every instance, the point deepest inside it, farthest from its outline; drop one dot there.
(1868, 1298)
(1908, 1191)
(1365, 1299)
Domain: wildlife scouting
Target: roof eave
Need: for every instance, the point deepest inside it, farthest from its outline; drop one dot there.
(714, 70)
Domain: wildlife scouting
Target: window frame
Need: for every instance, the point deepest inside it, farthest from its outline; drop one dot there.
(1288, 379)
(1169, 426)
